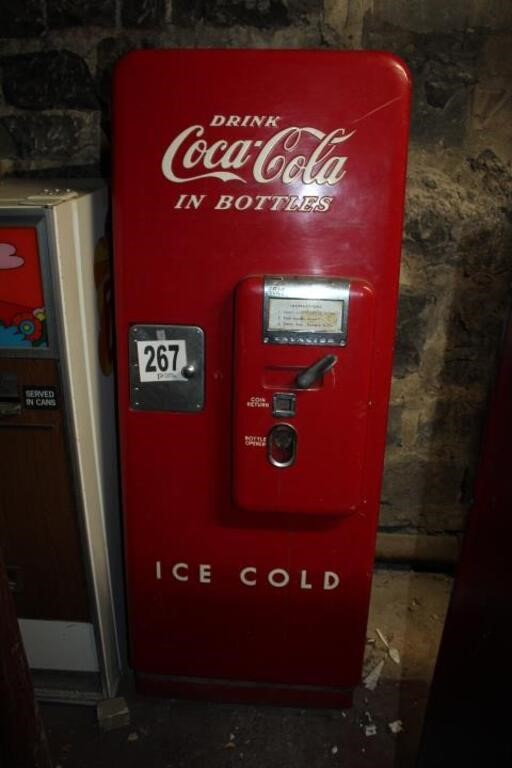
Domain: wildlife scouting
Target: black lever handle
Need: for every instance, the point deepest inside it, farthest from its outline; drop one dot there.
(307, 378)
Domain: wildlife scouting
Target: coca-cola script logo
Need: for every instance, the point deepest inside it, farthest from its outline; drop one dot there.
(296, 154)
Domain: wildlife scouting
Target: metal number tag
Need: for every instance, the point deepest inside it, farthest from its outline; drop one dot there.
(166, 367)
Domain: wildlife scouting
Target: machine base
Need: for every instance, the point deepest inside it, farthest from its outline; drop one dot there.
(243, 692)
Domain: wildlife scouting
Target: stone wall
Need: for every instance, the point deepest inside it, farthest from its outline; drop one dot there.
(56, 60)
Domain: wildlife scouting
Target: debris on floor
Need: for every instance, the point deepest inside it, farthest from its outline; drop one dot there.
(393, 653)
(414, 605)
(113, 713)
(370, 729)
(396, 726)
(372, 678)
(133, 736)
(231, 742)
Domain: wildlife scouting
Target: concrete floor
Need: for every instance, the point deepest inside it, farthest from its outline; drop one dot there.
(408, 609)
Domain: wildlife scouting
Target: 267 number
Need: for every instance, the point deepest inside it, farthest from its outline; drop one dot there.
(158, 358)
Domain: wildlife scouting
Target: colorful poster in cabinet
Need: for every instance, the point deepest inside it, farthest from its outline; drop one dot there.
(22, 309)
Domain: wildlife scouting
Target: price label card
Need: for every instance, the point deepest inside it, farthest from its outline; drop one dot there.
(162, 360)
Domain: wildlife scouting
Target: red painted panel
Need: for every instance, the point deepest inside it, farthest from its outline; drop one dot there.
(460, 725)
(229, 165)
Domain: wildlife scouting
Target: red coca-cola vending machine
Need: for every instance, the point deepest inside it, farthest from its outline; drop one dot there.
(258, 202)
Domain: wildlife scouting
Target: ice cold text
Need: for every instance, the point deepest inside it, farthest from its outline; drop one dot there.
(250, 576)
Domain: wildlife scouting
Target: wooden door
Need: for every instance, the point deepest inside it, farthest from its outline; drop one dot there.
(39, 530)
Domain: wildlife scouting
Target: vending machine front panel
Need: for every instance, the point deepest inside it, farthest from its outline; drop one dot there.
(258, 204)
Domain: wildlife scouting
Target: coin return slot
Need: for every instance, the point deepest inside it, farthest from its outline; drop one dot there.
(283, 405)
